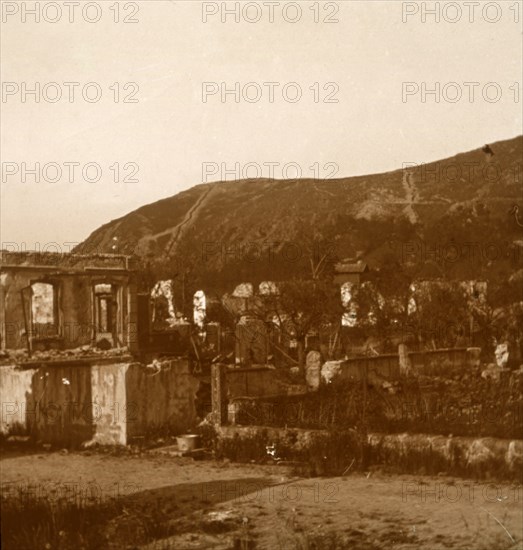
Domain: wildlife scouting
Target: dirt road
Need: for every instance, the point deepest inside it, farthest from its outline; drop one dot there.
(206, 504)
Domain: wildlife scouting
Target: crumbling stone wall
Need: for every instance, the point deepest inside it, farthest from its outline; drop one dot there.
(75, 322)
(61, 398)
(15, 389)
(74, 308)
(481, 457)
(256, 381)
(110, 404)
(92, 401)
(162, 399)
(387, 367)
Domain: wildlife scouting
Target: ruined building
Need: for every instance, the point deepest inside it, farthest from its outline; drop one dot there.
(351, 271)
(76, 366)
(63, 301)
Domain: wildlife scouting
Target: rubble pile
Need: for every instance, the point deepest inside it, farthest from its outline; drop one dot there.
(10, 357)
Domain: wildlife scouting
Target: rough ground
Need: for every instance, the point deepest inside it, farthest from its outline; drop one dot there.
(265, 507)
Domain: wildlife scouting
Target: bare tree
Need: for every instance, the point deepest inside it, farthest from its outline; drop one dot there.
(303, 306)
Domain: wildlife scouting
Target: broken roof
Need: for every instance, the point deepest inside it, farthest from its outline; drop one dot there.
(65, 261)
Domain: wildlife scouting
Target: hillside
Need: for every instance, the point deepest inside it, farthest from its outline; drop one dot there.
(255, 229)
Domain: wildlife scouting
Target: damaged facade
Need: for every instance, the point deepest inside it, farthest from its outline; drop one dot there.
(78, 355)
(64, 301)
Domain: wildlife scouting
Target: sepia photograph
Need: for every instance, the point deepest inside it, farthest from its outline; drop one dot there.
(261, 275)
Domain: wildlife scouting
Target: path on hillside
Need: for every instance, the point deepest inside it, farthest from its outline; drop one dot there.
(190, 216)
(324, 191)
(411, 194)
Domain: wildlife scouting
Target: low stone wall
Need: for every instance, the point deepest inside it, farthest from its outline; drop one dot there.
(481, 457)
(438, 362)
(70, 403)
(251, 382)
(382, 366)
(461, 455)
(295, 438)
(443, 361)
(229, 384)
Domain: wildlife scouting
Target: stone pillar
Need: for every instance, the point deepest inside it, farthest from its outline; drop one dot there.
(313, 370)
(473, 357)
(2, 317)
(251, 341)
(219, 394)
(405, 364)
(131, 330)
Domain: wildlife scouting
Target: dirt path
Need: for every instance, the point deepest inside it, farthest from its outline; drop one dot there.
(411, 194)
(211, 504)
(191, 214)
(176, 231)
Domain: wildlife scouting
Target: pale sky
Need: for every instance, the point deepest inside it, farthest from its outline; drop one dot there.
(170, 132)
